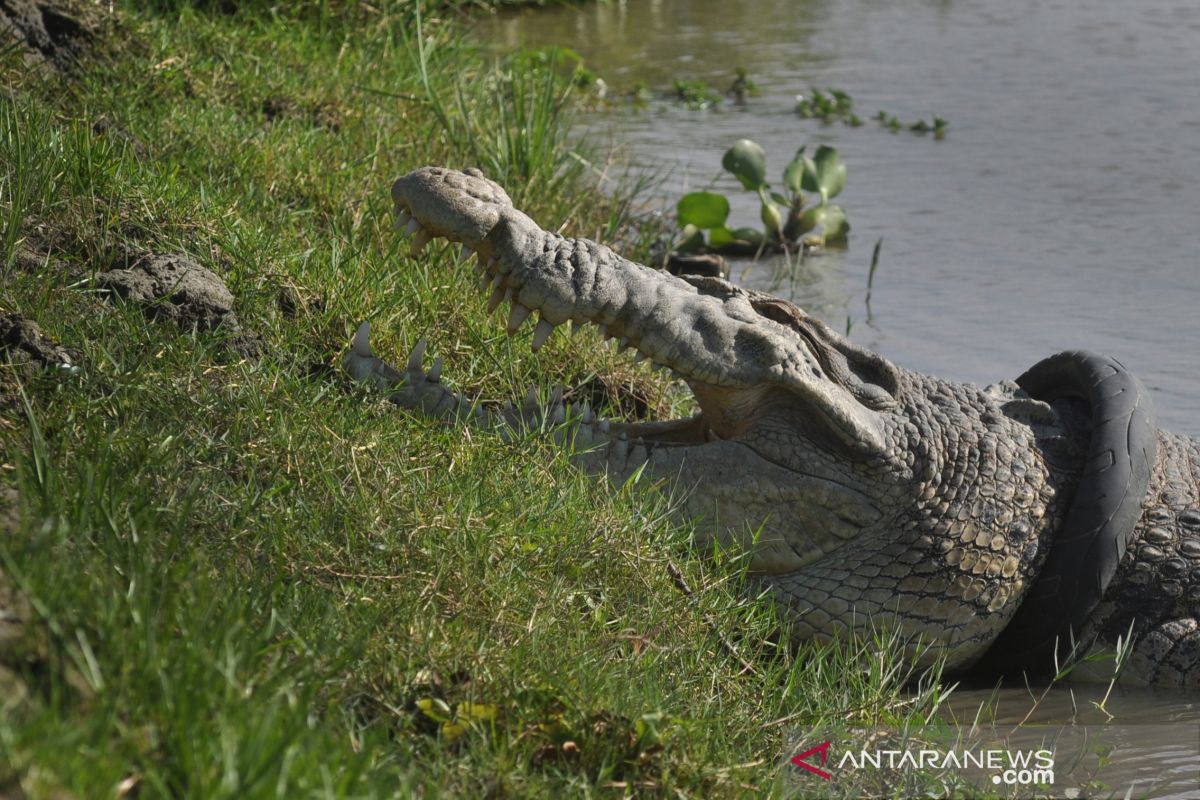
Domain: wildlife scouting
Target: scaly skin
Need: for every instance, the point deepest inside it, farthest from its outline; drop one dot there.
(869, 494)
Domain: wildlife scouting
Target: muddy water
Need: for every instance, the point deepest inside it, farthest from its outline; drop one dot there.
(1120, 737)
(1062, 210)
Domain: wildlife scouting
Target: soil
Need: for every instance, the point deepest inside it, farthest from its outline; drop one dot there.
(174, 287)
(53, 32)
(23, 341)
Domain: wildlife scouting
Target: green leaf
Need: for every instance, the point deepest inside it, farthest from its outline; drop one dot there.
(720, 236)
(435, 708)
(778, 198)
(705, 210)
(748, 235)
(824, 172)
(834, 226)
(811, 219)
(648, 730)
(747, 161)
(831, 219)
(793, 173)
(769, 214)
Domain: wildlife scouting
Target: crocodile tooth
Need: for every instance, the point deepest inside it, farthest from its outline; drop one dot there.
(464, 252)
(604, 425)
(483, 282)
(558, 416)
(403, 216)
(556, 396)
(542, 333)
(623, 343)
(640, 357)
(587, 414)
(516, 315)
(419, 241)
(361, 344)
(496, 281)
(435, 372)
(495, 300)
(412, 226)
(531, 399)
(417, 357)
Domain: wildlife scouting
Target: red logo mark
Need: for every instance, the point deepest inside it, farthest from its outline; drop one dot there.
(823, 750)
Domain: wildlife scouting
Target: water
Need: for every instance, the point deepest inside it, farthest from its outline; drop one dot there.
(1154, 735)
(1059, 212)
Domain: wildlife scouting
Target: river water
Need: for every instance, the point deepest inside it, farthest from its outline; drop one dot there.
(1060, 211)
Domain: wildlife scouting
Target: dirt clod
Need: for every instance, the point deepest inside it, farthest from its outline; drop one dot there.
(174, 287)
(22, 340)
(49, 30)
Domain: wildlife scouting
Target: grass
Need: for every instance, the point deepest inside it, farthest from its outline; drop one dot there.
(250, 578)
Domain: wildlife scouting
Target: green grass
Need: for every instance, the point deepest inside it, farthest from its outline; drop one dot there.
(254, 579)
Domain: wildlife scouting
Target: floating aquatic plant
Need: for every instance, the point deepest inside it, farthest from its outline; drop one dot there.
(789, 217)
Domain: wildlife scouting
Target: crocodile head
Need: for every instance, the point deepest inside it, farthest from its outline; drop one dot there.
(776, 388)
(863, 488)
(761, 369)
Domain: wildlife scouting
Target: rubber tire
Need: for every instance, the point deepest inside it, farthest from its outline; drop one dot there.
(1086, 552)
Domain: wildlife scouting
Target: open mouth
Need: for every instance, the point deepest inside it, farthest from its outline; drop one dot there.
(757, 365)
(783, 401)
(518, 285)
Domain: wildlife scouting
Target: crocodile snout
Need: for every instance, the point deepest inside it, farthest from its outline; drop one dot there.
(462, 206)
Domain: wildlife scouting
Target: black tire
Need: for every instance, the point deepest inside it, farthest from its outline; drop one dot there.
(1086, 552)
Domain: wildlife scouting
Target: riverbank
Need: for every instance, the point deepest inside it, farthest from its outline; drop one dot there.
(227, 571)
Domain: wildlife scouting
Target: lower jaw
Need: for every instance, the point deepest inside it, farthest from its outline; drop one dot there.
(691, 431)
(679, 431)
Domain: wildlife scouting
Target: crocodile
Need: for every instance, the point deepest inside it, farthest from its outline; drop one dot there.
(1012, 528)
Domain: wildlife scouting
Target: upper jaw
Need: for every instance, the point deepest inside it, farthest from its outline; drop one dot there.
(462, 206)
(705, 332)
